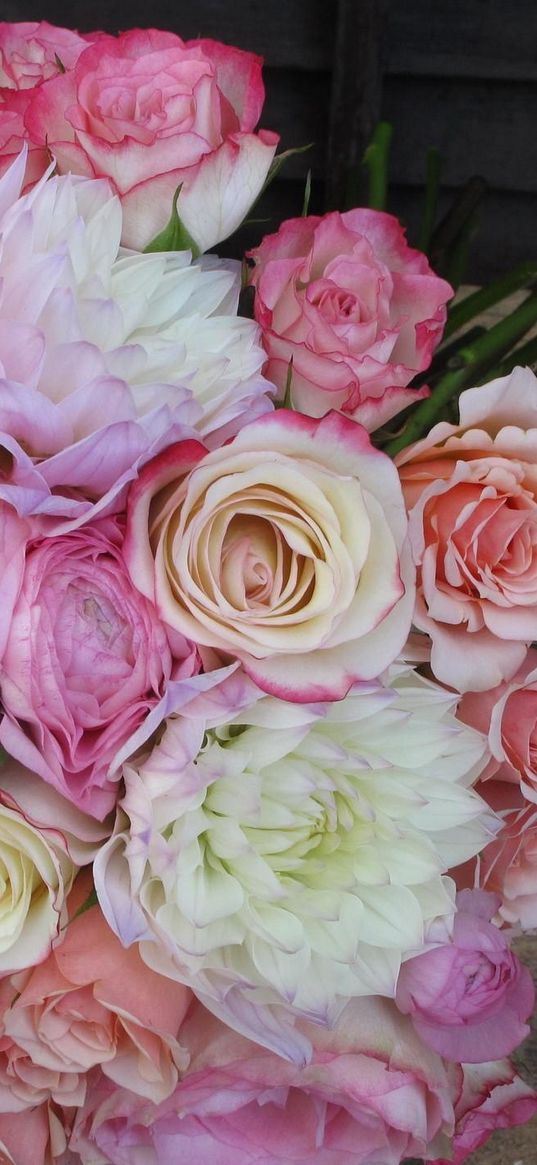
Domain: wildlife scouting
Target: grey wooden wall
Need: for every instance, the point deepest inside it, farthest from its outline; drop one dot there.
(458, 74)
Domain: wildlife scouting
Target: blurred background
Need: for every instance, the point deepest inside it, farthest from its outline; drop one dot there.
(459, 76)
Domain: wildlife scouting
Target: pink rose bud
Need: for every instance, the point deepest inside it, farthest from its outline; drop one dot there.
(469, 998)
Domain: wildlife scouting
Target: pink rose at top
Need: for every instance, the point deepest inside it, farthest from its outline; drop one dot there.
(471, 493)
(90, 1003)
(86, 659)
(151, 113)
(508, 715)
(491, 1096)
(469, 998)
(30, 54)
(371, 1093)
(349, 312)
(285, 547)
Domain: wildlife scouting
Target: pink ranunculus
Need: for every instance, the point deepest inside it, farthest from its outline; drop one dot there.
(471, 493)
(152, 113)
(371, 1093)
(86, 658)
(90, 1003)
(469, 998)
(349, 312)
(493, 1096)
(282, 549)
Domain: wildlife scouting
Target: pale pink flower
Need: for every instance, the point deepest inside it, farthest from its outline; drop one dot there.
(471, 493)
(36, 1137)
(507, 866)
(492, 1096)
(153, 113)
(284, 549)
(372, 1092)
(349, 313)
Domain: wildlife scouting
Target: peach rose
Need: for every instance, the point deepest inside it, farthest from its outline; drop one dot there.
(285, 549)
(90, 1003)
(471, 493)
(508, 715)
(508, 865)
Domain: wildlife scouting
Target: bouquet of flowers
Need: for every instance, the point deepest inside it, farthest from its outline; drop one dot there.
(268, 779)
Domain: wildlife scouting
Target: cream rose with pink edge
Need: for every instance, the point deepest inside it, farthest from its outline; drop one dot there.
(286, 545)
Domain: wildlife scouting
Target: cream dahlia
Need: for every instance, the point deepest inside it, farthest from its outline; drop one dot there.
(282, 859)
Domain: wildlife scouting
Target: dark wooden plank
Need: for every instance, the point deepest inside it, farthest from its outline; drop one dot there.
(356, 92)
(479, 127)
(480, 38)
(297, 107)
(288, 33)
(506, 234)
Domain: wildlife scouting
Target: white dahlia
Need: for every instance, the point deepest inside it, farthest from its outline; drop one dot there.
(105, 354)
(288, 859)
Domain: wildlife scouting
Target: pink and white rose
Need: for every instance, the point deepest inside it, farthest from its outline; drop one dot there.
(469, 998)
(349, 313)
(32, 52)
(471, 493)
(152, 112)
(508, 864)
(371, 1093)
(284, 547)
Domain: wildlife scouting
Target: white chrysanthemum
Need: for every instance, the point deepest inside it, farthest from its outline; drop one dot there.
(288, 860)
(92, 336)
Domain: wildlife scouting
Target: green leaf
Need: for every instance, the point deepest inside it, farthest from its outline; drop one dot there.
(279, 160)
(175, 236)
(474, 360)
(525, 275)
(375, 160)
(90, 901)
(432, 190)
(307, 195)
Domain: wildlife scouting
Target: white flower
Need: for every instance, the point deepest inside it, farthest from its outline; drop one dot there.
(102, 348)
(287, 860)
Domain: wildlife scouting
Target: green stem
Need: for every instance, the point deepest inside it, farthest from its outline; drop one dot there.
(522, 276)
(475, 359)
(376, 162)
(525, 355)
(432, 189)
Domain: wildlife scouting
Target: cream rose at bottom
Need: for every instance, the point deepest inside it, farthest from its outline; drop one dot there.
(282, 859)
(43, 841)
